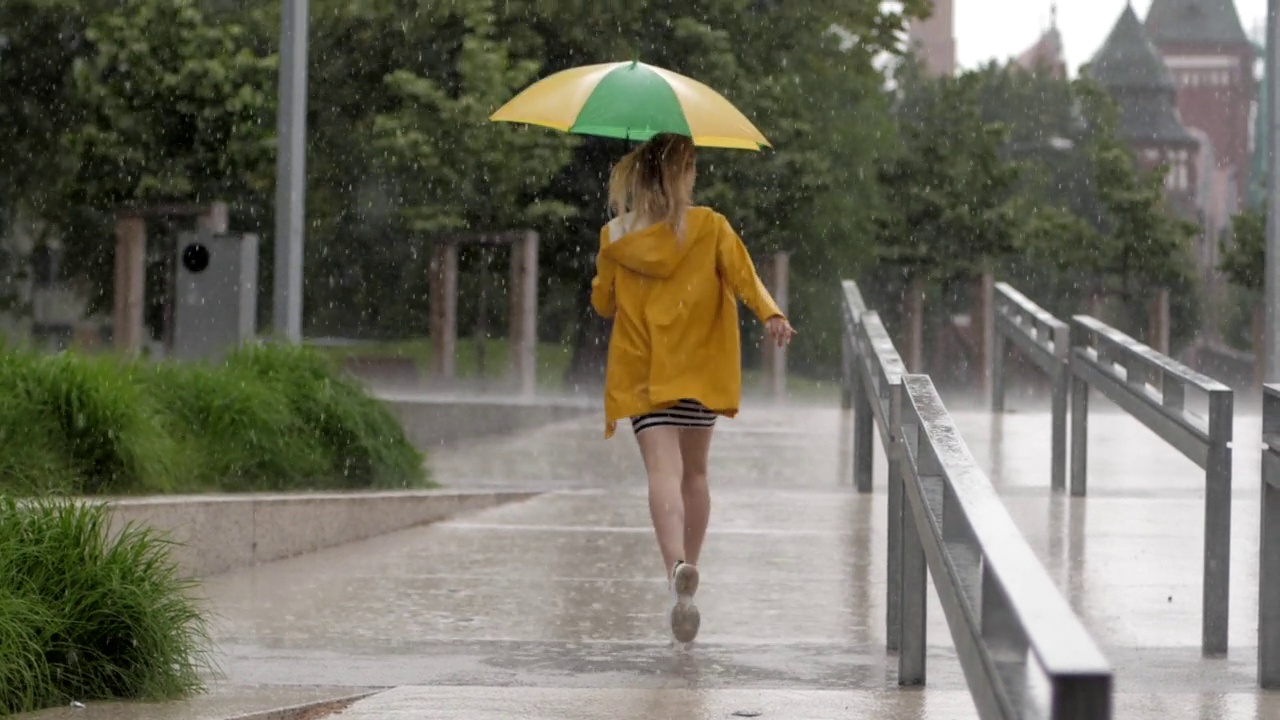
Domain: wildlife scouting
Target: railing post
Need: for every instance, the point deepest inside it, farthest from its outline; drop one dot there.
(893, 604)
(863, 434)
(846, 369)
(1061, 391)
(1269, 545)
(1079, 431)
(915, 575)
(999, 346)
(1217, 525)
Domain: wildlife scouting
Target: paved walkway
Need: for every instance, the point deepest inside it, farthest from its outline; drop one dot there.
(553, 607)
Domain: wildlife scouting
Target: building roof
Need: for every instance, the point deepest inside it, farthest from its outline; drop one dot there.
(1128, 59)
(1211, 22)
(1047, 53)
(1131, 69)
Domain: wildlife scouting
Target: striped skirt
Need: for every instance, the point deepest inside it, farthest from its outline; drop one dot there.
(684, 414)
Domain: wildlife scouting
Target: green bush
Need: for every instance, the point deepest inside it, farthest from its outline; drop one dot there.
(85, 617)
(272, 418)
(89, 412)
(366, 446)
(235, 431)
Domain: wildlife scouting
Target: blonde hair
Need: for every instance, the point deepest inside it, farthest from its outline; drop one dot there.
(650, 181)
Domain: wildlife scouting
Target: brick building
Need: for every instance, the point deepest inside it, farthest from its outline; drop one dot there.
(934, 38)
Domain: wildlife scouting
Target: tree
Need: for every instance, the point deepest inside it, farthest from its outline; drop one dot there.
(1244, 262)
(950, 193)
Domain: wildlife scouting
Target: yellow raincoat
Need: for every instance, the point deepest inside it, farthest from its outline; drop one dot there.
(675, 311)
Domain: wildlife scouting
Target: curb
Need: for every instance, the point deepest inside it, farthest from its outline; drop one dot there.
(213, 534)
(310, 710)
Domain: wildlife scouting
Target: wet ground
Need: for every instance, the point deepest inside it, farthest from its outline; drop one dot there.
(553, 607)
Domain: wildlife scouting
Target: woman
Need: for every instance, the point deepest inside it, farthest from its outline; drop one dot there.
(670, 276)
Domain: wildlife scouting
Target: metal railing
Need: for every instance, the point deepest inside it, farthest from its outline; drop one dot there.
(873, 372)
(1154, 389)
(1024, 652)
(1269, 544)
(1046, 340)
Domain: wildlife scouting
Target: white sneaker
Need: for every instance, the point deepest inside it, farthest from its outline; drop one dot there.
(683, 615)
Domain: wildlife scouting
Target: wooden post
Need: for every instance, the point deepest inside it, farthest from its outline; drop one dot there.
(130, 286)
(524, 313)
(987, 321)
(444, 309)
(1158, 334)
(777, 276)
(914, 312)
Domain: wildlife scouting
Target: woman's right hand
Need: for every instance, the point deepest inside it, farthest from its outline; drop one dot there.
(780, 330)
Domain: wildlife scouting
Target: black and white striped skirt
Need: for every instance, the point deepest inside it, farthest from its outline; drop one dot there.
(684, 414)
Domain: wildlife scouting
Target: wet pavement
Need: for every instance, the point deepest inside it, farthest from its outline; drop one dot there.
(553, 607)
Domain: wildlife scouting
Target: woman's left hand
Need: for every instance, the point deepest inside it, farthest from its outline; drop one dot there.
(780, 330)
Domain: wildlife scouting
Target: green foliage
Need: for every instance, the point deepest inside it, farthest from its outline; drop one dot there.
(268, 419)
(88, 412)
(1244, 258)
(174, 108)
(366, 446)
(949, 192)
(88, 617)
(235, 431)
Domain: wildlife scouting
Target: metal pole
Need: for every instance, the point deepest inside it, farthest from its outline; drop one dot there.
(1217, 526)
(1271, 349)
(291, 172)
(1269, 546)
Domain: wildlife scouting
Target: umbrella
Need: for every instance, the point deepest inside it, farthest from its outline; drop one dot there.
(632, 101)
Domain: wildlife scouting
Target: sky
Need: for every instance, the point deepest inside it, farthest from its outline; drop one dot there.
(999, 29)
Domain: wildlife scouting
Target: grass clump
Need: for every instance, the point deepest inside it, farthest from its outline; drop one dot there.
(366, 446)
(88, 617)
(81, 418)
(235, 432)
(272, 418)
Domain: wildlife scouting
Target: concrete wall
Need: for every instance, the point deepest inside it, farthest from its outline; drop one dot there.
(430, 422)
(217, 533)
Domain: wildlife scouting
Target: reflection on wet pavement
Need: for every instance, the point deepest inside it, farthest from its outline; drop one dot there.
(564, 593)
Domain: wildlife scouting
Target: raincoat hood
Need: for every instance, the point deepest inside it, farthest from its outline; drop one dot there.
(652, 251)
(674, 306)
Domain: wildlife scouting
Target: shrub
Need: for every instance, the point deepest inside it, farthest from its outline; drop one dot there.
(366, 446)
(94, 618)
(235, 431)
(92, 415)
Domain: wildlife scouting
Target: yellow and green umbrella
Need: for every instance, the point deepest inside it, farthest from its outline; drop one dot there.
(632, 101)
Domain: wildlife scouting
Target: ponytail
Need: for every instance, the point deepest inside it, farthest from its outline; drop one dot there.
(651, 182)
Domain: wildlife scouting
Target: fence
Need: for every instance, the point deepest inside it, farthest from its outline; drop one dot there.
(1154, 389)
(1023, 651)
(873, 372)
(1046, 340)
(1269, 544)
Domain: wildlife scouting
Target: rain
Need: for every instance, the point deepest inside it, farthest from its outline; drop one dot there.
(364, 359)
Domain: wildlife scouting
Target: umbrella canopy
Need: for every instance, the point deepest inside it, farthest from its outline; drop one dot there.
(632, 101)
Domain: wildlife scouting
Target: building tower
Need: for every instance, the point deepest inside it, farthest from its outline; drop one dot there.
(1130, 68)
(1047, 55)
(934, 38)
(1212, 60)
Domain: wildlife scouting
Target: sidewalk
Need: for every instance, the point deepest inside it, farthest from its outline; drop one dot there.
(554, 607)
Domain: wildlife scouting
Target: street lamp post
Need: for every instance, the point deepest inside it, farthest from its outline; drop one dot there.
(291, 169)
(1270, 352)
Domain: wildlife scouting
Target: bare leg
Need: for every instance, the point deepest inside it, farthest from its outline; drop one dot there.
(660, 448)
(695, 445)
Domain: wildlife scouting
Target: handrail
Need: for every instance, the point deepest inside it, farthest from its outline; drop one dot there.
(873, 372)
(1269, 544)
(1047, 341)
(1024, 652)
(1154, 389)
